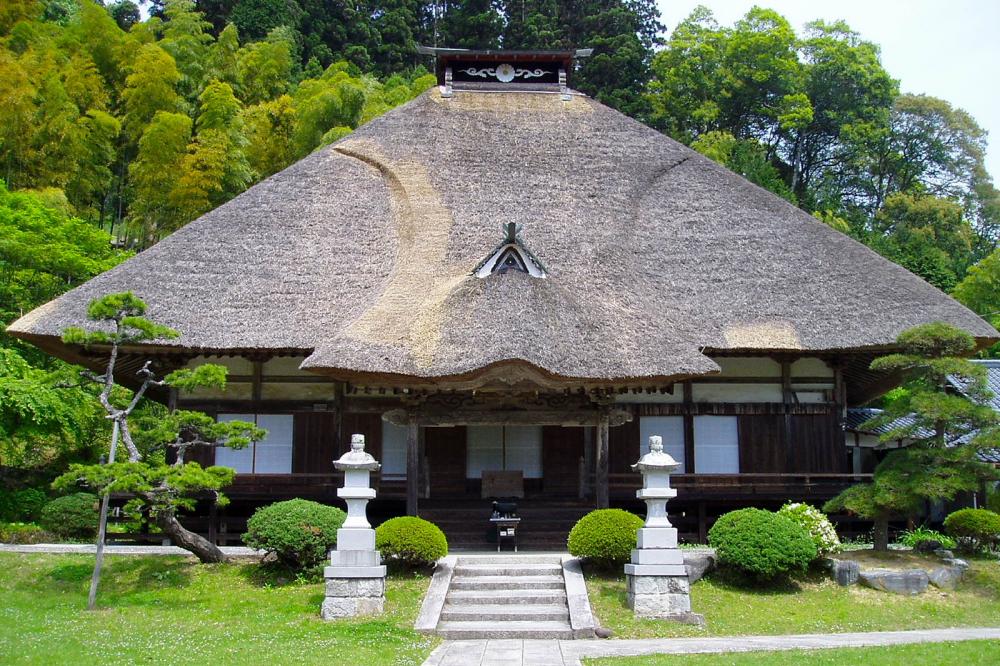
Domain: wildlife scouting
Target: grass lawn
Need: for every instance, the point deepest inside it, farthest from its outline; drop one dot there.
(811, 603)
(963, 653)
(173, 610)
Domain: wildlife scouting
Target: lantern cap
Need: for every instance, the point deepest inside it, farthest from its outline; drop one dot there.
(357, 458)
(657, 460)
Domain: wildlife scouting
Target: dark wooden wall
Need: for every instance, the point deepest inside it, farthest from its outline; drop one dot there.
(623, 446)
(314, 442)
(369, 425)
(444, 449)
(791, 443)
(562, 449)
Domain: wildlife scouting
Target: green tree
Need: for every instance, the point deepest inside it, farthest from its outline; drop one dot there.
(947, 429)
(159, 487)
(150, 88)
(746, 157)
(161, 151)
(215, 168)
(980, 292)
(264, 69)
(255, 18)
(473, 24)
(186, 38)
(334, 100)
(927, 235)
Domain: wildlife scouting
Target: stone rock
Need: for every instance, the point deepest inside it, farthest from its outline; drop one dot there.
(337, 607)
(845, 572)
(944, 554)
(650, 585)
(927, 546)
(698, 564)
(603, 632)
(355, 587)
(955, 562)
(946, 578)
(909, 581)
(659, 605)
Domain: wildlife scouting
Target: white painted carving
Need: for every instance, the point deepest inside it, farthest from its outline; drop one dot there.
(505, 73)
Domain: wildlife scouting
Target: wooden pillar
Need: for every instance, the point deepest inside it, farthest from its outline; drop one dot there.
(412, 467)
(702, 523)
(601, 460)
(688, 428)
(213, 523)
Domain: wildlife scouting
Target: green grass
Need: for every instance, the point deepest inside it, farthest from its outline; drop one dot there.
(963, 653)
(173, 610)
(811, 603)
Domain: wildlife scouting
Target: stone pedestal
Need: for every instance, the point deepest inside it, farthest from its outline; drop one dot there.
(355, 579)
(656, 579)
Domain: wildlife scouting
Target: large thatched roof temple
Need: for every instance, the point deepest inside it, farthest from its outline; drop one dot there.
(506, 286)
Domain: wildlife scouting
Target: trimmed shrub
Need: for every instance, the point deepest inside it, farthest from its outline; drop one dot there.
(913, 538)
(299, 533)
(605, 537)
(72, 516)
(815, 522)
(760, 543)
(22, 505)
(23, 533)
(411, 540)
(975, 529)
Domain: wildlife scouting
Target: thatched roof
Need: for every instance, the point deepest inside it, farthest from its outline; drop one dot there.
(655, 256)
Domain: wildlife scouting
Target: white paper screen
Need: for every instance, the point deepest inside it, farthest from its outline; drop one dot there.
(484, 450)
(716, 445)
(671, 429)
(273, 454)
(240, 460)
(523, 450)
(393, 448)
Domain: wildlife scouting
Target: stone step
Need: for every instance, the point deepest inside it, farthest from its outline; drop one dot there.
(505, 612)
(509, 569)
(509, 558)
(462, 597)
(512, 629)
(508, 583)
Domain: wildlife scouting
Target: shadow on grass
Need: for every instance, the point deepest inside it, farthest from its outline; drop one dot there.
(124, 580)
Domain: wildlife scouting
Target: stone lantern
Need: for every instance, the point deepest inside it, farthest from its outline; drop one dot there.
(657, 579)
(355, 579)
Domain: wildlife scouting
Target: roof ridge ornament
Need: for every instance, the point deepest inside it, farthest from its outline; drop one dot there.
(510, 255)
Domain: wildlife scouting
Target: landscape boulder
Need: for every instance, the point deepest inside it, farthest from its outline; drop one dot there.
(698, 563)
(909, 581)
(844, 572)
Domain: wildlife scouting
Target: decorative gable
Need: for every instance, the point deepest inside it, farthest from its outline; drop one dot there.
(510, 255)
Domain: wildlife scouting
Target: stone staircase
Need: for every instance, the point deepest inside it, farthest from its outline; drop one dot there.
(506, 597)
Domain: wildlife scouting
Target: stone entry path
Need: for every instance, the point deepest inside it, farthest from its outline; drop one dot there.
(512, 652)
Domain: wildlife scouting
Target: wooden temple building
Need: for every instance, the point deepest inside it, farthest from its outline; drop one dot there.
(506, 286)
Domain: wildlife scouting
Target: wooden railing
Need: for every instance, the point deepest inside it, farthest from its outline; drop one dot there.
(744, 484)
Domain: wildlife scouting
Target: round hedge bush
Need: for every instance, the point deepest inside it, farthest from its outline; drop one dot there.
(298, 532)
(814, 522)
(760, 543)
(72, 516)
(412, 540)
(22, 505)
(605, 537)
(974, 528)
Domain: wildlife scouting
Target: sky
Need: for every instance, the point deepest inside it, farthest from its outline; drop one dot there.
(944, 48)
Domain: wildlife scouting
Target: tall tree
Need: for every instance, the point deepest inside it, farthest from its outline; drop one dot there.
(946, 429)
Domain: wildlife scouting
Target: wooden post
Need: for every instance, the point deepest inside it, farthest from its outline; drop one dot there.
(702, 523)
(412, 467)
(688, 428)
(213, 521)
(602, 463)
